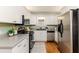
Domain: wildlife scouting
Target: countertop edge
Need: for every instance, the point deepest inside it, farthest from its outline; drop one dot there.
(10, 47)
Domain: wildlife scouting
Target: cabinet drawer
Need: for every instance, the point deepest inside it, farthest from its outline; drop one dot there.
(22, 47)
(19, 47)
(26, 46)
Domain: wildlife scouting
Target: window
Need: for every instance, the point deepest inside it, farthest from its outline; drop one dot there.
(41, 21)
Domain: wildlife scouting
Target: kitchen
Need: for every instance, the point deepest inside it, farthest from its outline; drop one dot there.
(26, 29)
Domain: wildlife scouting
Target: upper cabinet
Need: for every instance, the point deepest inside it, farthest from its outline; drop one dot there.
(52, 20)
(13, 14)
(10, 15)
(33, 20)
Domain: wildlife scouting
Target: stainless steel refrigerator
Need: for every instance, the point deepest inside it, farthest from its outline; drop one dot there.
(68, 32)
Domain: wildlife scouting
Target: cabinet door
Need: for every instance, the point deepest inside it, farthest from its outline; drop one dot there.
(43, 35)
(17, 49)
(33, 20)
(22, 47)
(26, 43)
(10, 14)
(52, 20)
(36, 36)
(26, 46)
(40, 35)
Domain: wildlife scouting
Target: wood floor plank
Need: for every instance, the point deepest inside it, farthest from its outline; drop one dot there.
(52, 47)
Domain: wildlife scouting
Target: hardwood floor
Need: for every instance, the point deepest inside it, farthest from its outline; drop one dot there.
(51, 47)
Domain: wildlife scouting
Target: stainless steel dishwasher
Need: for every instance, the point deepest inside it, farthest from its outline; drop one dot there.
(50, 35)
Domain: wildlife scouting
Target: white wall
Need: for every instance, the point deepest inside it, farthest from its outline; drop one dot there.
(50, 18)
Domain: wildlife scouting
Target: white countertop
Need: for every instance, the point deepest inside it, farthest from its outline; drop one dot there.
(9, 42)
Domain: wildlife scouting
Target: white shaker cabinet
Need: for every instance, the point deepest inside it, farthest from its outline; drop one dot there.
(22, 47)
(33, 20)
(40, 35)
(51, 20)
(56, 35)
(11, 14)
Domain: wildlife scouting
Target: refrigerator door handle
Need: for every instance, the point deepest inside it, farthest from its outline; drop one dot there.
(61, 30)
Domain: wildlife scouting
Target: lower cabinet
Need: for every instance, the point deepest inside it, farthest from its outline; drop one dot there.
(21, 47)
(40, 35)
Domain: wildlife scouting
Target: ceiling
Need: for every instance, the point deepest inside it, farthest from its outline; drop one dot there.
(44, 9)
